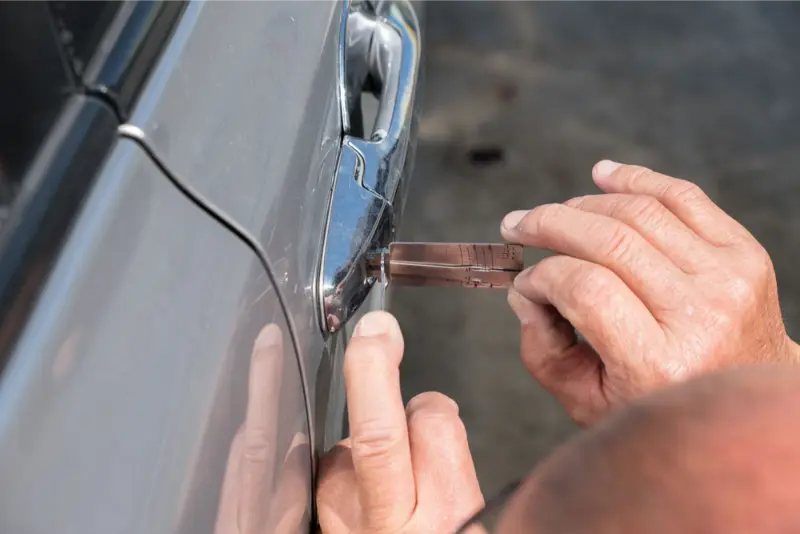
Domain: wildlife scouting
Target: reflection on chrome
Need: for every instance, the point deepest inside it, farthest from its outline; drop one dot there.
(380, 53)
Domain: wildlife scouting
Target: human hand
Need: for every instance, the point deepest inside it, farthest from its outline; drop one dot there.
(662, 284)
(402, 470)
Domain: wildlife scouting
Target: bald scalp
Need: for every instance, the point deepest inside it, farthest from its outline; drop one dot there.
(717, 454)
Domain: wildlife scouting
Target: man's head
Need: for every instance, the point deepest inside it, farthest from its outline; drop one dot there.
(718, 454)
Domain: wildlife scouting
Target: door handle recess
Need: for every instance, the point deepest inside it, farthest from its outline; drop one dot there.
(379, 52)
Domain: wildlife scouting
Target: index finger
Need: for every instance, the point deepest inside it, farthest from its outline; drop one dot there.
(601, 240)
(686, 200)
(378, 431)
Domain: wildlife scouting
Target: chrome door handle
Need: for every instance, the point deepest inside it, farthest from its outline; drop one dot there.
(379, 51)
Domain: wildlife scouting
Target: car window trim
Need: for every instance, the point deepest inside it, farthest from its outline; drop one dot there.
(129, 51)
(52, 192)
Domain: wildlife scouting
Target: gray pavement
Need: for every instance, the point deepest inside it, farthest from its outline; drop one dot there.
(521, 99)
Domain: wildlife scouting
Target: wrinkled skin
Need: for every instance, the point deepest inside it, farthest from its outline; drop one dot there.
(660, 282)
(404, 470)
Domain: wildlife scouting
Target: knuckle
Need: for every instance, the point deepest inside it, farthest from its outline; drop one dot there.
(644, 208)
(764, 267)
(618, 244)
(636, 174)
(739, 294)
(684, 192)
(575, 202)
(593, 284)
(377, 441)
(757, 260)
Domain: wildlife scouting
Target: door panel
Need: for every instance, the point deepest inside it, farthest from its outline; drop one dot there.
(243, 105)
(154, 388)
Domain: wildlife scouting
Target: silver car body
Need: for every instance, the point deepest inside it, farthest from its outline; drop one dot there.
(167, 380)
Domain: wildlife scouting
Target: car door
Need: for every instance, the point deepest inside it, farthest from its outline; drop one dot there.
(251, 105)
(155, 369)
(179, 232)
(150, 381)
(243, 105)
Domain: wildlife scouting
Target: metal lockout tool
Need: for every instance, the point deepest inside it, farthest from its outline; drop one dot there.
(448, 264)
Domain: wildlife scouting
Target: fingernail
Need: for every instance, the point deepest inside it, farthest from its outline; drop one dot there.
(511, 220)
(374, 324)
(269, 337)
(603, 169)
(520, 306)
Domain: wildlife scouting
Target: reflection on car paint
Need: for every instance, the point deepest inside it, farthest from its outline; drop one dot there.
(264, 491)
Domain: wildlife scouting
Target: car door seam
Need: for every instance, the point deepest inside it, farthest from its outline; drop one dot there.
(135, 134)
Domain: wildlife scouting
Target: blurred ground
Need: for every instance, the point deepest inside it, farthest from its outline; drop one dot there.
(521, 100)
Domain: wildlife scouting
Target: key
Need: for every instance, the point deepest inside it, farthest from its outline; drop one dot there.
(384, 280)
(483, 265)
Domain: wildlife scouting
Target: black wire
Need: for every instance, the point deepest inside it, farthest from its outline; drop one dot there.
(222, 218)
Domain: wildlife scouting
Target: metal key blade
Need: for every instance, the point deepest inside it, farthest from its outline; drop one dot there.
(384, 280)
(477, 265)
